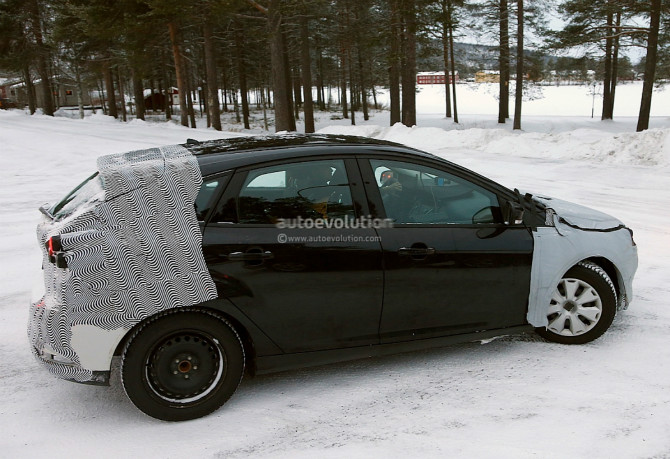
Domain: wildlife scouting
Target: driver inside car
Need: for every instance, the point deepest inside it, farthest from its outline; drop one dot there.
(391, 191)
(389, 184)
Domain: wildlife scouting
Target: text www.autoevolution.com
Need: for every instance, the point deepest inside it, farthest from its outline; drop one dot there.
(285, 239)
(336, 223)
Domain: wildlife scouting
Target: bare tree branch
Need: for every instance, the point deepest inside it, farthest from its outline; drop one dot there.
(258, 6)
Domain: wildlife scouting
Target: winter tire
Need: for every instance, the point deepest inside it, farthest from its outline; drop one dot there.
(582, 306)
(182, 365)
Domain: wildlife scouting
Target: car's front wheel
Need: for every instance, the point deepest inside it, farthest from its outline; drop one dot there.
(182, 365)
(582, 306)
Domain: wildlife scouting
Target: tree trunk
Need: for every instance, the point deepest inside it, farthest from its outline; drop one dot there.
(242, 74)
(453, 64)
(343, 82)
(607, 83)
(394, 63)
(224, 89)
(109, 88)
(204, 95)
(80, 91)
(409, 68)
(213, 109)
(518, 97)
(180, 71)
(615, 65)
(320, 95)
(306, 67)
(364, 94)
(297, 98)
(650, 66)
(152, 91)
(103, 102)
(445, 57)
(289, 83)
(30, 89)
(165, 83)
(189, 98)
(265, 112)
(122, 96)
(236, 107)
(202, 101)
(56, 94)
(351, 92)
(283, 115)
(503, 103)
(42, 57)
(138, 92)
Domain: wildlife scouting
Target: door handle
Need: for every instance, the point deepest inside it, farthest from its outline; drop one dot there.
(250, 256)
(416, 251)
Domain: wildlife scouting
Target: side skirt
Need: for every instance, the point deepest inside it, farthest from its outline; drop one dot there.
(275, 363)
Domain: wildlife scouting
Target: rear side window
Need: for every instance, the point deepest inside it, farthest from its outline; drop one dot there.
(89, 191)
(206, 197)
(310, 189)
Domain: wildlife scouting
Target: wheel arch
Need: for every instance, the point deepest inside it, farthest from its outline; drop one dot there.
(611, 270)
(239, 328)
(555, 252)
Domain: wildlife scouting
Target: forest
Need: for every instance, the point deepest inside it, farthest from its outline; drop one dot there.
(294, 57)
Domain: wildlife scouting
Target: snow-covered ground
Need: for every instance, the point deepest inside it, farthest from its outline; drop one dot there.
(508, 398)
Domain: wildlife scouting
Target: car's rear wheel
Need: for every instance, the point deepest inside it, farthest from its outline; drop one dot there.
(182, 365)
(582, 306)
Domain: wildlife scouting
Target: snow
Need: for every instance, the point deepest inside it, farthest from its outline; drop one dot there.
(509, 397)
(622, 148)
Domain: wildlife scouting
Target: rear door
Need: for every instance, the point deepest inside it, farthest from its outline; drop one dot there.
(451, 265)
(306, 288)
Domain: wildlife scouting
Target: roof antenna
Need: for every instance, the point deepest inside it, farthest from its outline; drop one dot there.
(192, 142)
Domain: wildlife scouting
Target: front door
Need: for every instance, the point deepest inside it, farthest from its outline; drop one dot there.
(451, 265)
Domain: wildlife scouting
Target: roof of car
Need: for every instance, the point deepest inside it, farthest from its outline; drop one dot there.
(222, 154)
(278, 141)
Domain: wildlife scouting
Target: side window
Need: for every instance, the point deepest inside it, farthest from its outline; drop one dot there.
(413, 193)
(310, 189)
(204, 200)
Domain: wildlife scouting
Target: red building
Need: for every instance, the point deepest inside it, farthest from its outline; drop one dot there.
(432, 78)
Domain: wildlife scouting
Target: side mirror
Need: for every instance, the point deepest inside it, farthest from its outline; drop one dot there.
(513, 213)
(486, 215)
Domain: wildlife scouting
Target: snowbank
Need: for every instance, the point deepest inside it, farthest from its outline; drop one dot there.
(651, 147)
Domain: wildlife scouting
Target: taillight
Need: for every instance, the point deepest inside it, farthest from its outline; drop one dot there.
(50, 247)
(53, 245)
(55, 251)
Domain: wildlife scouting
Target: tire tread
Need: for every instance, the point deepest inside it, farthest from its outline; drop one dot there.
(173, 313)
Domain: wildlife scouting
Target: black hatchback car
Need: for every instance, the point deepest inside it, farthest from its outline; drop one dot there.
(195, 262)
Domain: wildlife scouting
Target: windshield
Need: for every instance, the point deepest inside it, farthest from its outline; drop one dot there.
(90, 190)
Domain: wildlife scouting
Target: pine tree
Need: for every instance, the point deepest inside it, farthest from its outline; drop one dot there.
(518, 96)
(650, 67)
